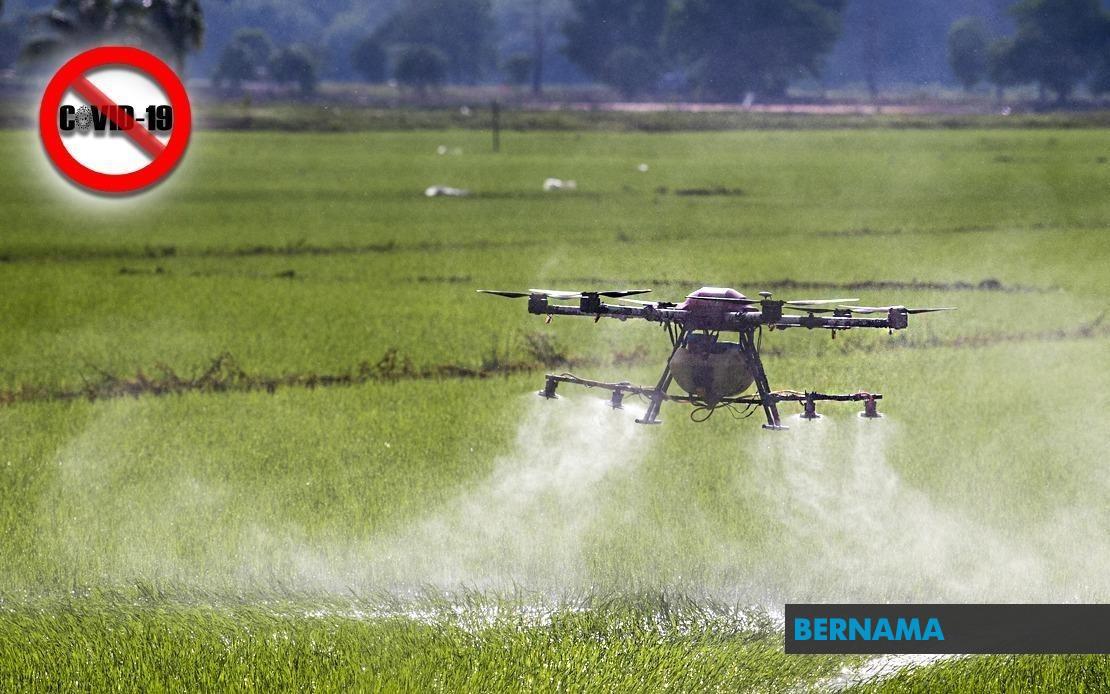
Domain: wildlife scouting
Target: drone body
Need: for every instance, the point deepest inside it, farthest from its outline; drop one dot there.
(715, 335)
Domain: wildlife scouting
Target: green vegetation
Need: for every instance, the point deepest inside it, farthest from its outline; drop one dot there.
(172, 27)
(295, 64)
(350, 484)
(967, 51)
(458, 33)
(1057, 45)
(421, 67)
(732, 49)
(1006, 674)
(597, 29)
(370, 60)
(613, 647)
(244, 58)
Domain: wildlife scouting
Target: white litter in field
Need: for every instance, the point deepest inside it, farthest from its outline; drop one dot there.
(445, 191)
(642, 168)
(553, 184)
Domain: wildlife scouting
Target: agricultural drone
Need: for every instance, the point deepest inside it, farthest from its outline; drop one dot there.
(712, 371)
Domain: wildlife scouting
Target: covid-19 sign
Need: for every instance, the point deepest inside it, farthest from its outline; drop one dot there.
(115, 120)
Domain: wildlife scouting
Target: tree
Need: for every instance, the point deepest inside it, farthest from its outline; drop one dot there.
(518, 68)
(244, 57)
(598, 27)
(295, 64)
(421, 67)
(1003, 64)
(1058, 43)
(967, 51)
(369, 60)
(9, 44)
(872, 33)
(533, 27)
(737, 46)
(174, 25)
(236, 65)
(461, 30)
(73, 22)
(257, 43)
(885, 42)
(178, 25)
(631, 70)
(542, 21)
(1100, 80)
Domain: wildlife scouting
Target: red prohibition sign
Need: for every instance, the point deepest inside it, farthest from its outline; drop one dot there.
(72, 75)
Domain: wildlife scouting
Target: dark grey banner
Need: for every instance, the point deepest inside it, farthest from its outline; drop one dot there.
(828, 628)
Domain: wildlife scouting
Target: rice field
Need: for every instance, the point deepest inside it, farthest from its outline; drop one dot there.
(258, 431)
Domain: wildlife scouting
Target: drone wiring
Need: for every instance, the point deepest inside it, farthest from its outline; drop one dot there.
(737, 413)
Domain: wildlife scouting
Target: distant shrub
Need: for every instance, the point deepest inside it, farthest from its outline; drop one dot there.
(518, 68)
(369, 59)
(295, 64)
(631, 70)
(967, 51)
(421, 67)
(234, 67)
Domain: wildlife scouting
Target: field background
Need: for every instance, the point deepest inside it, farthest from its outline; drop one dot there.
(258, 431)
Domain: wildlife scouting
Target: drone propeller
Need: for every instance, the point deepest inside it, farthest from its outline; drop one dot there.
(556, 293)
(812, 309)
(507, 295)
(610, 293)
(802, 303)
(559, 294)
(887, 309)
(653, 304)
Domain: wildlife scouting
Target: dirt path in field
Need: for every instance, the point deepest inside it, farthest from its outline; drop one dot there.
(156, 252)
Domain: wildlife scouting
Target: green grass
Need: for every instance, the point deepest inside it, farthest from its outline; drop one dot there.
(362, 535)
(614, 646)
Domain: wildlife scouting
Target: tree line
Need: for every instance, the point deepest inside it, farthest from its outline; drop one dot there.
(1058, 45)
(698, 49)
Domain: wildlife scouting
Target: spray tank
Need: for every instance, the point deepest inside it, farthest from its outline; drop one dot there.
(707, 366)
(710, 368)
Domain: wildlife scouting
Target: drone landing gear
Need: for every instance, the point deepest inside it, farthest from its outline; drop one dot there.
(750, 353)
(651, 416)
(657, 396)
